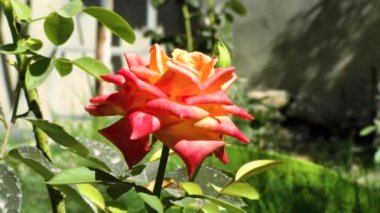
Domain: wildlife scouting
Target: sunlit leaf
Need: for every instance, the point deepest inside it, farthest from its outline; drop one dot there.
(206, 178)
(152, 201)
(21, 10)
(18, 48)
(38, 72)
(188, 202)
(58, 29)
(63, 66)
(74, 176)
(93, 194)
(92, 66)
(255, 167)
(10, 190)
(241, 190)
(191, 188)
(368, 130)
(228, 206)
(70, 9)
(114, 22)
(33, 44)
(113, 207)
(210, 208)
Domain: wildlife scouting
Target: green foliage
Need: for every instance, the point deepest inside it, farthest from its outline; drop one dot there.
(58, 29)
(114, 22)
(38, 72)
(63, 66)
(70, 9)
(241, 190)
(22, 11)
(92, 66)
(254, 167)
(153, 201)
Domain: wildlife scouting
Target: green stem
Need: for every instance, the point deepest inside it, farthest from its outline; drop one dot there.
(56, 197)
(161, 171)
(189, 36)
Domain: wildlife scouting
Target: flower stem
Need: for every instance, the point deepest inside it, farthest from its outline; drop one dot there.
(189, 36)
(161, 171)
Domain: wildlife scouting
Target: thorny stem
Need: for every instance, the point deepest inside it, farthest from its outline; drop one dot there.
(189, 36)
(56, 197)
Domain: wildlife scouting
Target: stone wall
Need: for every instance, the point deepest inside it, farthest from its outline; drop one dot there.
(324, 53)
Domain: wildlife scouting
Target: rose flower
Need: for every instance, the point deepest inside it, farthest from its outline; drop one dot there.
(180, 100)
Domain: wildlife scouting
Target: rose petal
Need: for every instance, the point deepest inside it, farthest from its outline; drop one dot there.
(218, 97)
(131, 78)
(235, 110)
(134, 60)
(222, 154)
(179, 81)
(221, 80)
(194, 152)
(107, 105)
(158, 59)
(119, 134)
(221, 124)
(117, 79)
(146, 74)
(162, 105)
(142, 124)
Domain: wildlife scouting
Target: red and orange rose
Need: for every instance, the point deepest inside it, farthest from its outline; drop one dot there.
(180, 100)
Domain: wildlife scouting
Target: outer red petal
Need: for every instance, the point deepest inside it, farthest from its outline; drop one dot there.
(115, 79)
(142, 124)
(134, 60)
(222, 154)
(221, 124)
(162, 105)
(237, 111)
(119, 134)
(107, 105)
(194, 152)
(218, 97)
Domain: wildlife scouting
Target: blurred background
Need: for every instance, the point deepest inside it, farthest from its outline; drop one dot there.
(308, 71)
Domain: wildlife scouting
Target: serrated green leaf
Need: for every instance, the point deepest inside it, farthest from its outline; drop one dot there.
(210, 208)
(60, 136)
(63, 66)
(367, 130)
(188, 202)
(192, 188)
(21, 10)
(105, 156)
(237, 7)
(255, 167)
(241, 190)
(38, 72)
(33, 44)
(74, 176)
(92, 194)
(152, 201)
(228, 206)
(70, 9)
(10, 190)
(34, 158)
(58, 29)
(92, 66)
(114, 22)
